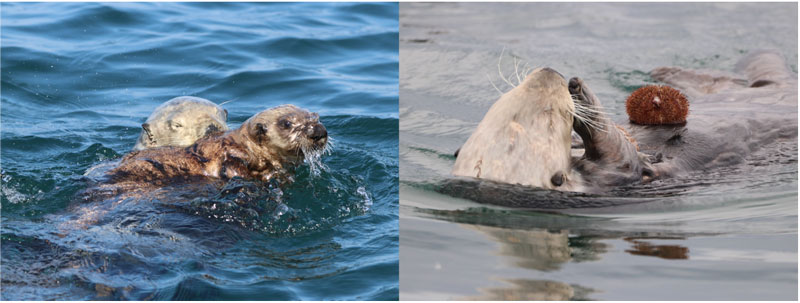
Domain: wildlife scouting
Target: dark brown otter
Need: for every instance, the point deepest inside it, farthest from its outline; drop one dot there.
(266, 146)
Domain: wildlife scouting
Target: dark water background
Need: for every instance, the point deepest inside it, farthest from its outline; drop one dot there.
(78, 80)
(728, 234)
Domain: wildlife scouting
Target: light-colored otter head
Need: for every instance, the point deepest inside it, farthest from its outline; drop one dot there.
(180, 122)
(525, 137)
(285, 133)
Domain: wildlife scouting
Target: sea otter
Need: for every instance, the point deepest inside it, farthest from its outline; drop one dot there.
(522, 139)
(266, 146)
(526, 138)
(180, 122)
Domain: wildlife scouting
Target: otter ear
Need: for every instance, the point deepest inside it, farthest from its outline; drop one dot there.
(146, 128)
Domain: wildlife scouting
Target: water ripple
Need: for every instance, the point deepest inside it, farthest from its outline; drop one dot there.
(78, 79)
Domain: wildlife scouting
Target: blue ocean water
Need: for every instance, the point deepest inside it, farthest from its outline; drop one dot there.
(78, 79)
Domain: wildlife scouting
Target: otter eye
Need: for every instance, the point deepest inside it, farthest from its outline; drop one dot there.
(285, 123)
(173, 124)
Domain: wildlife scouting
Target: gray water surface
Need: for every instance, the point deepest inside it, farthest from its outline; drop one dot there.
(726, 234)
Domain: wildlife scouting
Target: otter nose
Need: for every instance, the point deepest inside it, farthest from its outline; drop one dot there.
(318, 132)
(575, 85)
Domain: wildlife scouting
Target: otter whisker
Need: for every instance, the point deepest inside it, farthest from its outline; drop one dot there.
(588, 113)
(589, 109)
(526, 69)
(592, 125)
(593, 116)
(516, 71)
(492, 82)
(583, 121)
(587, 119)
(231, 100)
(499, 71)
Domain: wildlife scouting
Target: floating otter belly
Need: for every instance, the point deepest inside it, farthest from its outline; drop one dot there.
(180, 122)
(266, 146)
(732, 115)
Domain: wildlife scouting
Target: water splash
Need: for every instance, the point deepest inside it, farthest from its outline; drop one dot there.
(313, 157)
(10, 193)
(279, 211)
(367, 201)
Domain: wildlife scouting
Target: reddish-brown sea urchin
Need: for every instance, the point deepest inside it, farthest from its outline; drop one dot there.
(657, 104)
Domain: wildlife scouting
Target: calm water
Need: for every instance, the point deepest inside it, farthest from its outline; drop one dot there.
(723, 234)
(79, 79)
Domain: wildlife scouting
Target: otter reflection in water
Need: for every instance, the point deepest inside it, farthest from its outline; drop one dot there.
(546, 245)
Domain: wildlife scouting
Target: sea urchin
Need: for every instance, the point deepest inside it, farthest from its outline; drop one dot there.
(657, 104)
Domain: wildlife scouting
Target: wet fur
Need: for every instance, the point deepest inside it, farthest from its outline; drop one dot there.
(215, 156)
(268, 145)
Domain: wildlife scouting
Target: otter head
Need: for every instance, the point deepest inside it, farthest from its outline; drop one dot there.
(525, 137)
(180, 122)
(287, 131)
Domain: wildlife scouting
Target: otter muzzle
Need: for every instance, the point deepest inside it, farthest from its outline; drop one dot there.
(317, 132)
